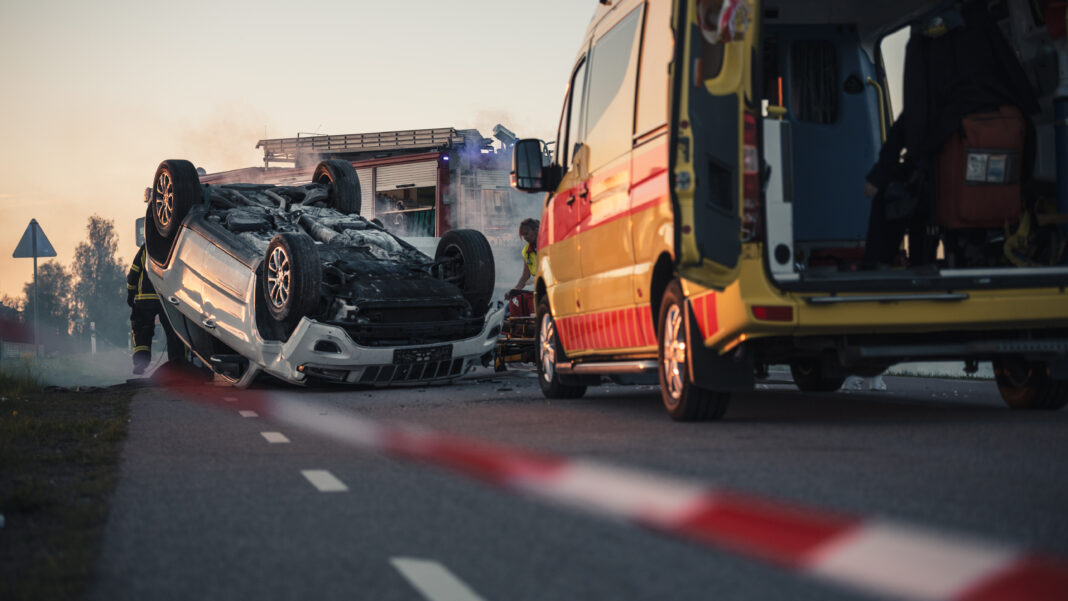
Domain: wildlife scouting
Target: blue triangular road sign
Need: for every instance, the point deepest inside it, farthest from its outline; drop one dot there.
(25, 248)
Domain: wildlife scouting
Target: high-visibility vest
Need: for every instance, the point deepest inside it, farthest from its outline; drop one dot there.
(530, 257)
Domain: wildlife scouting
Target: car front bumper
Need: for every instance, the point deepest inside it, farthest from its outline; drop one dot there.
(319, 352)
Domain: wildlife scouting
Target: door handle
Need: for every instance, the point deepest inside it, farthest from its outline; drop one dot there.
(208, 323)
(583, 193)
(570, 200)
(173, 300)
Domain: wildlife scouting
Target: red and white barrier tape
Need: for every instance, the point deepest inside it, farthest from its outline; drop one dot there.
(865, 554)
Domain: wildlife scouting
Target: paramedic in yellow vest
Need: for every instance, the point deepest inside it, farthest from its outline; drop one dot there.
(528, 231)
(144, 307)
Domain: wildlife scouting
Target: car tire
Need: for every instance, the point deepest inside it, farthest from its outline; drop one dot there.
(466, 259)
(1027, 385)
(290, 278)
(549, 353)
(343, 185)
(175, 190)
(809, 376)
(684, 400)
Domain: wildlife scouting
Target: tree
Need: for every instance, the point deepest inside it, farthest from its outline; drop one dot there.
(100, 290)
(54, 302)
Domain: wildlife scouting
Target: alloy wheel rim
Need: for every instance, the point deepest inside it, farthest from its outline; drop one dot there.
(278, 278)
(547, 348)
(674, 352)
(164, 199)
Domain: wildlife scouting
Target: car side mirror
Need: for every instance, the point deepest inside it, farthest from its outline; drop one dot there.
(528, 173)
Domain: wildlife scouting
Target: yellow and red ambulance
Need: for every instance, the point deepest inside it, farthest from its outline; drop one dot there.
(707, 207)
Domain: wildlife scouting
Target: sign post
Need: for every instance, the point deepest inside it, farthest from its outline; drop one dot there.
(34, 244)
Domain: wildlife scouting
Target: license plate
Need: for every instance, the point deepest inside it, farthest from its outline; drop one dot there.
(422, 355)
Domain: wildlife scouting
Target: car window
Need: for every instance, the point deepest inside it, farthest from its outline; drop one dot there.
(892, 51)
(613, 78)
(575, 112)
(656, 53)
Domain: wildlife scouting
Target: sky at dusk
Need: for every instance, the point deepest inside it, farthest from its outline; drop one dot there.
(96, 94)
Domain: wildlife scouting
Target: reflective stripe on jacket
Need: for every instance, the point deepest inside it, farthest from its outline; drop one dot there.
(137, 282)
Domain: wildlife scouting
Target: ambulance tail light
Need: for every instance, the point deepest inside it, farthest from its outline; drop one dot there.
(773, 312)
(751, 226)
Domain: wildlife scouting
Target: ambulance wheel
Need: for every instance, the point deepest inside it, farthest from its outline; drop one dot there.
(809, 376)
(343, 185)
(466, 259)
(175, 190)
(290, 278)
(1027, 385)
(684, 401)
(549, 353)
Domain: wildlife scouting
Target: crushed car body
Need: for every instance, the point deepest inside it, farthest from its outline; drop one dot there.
(291, 281)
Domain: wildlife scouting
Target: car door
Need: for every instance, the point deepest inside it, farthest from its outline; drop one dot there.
(713, 129)
(558, 239)
(607, 288)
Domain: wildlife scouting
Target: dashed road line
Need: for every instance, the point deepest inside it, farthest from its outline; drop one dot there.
(324, 481)
(433, 580)
(247, 413)
(275, 437)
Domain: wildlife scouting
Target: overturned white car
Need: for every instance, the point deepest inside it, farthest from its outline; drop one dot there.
(291, 281)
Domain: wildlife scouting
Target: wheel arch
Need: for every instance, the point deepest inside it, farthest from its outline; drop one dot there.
(663, 273)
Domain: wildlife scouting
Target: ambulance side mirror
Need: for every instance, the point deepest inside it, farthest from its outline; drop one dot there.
(529, 173)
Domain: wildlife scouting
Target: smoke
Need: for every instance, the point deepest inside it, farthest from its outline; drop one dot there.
(225, 139)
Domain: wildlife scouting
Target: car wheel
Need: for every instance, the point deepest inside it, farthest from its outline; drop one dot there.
(290, 278)
(549, 352)
(343, 184)
(809, 376)
(175, 190)
(466, 259)
(684, 401)
(1027, 385)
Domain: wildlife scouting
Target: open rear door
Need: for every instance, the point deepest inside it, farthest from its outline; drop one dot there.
(714, 116)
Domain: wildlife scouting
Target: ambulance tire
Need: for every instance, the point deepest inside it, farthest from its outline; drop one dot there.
(809, 376)
(1027, 385)
(290, 279)
(549, 353)
(466, 259)
(175, 190)
(684, 401)
(343, 185)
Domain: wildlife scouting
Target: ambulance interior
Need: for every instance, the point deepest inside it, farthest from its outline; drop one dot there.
(820, 76)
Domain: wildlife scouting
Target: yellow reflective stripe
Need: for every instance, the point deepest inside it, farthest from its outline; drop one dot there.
(135, 267)
(130, 287)
(138, 349)
(147, 297)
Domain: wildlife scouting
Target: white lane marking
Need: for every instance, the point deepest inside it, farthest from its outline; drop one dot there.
(324, 481)
(906, 561)
(247, 413)
(230, 399)
(275, 437)
(434, 580)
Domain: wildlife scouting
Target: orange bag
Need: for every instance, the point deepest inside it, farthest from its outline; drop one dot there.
(978, 181)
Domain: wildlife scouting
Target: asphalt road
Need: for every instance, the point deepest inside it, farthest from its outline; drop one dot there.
(208, 507)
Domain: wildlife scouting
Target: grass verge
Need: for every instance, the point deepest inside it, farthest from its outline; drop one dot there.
(59, 454)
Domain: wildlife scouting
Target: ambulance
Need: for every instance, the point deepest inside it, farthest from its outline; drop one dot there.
(708, 213)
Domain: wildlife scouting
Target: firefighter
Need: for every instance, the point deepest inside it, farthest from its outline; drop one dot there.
(522, 301)
(144, 307)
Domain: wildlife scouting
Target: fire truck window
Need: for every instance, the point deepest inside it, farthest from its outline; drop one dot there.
(407, 211)
(657, 47)
(814, 81)
(613, 79)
